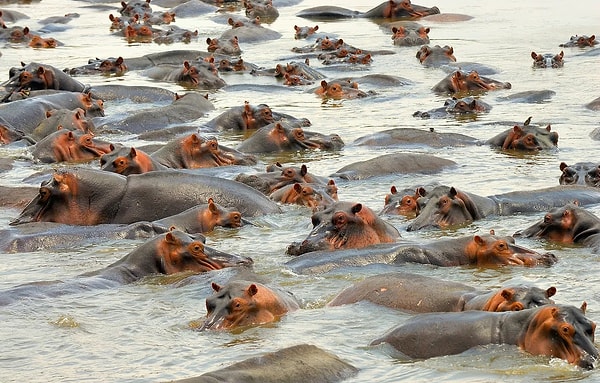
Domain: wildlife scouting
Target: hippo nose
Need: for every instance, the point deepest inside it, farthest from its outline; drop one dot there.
(548, 62)
(587, 362)
(547, 219)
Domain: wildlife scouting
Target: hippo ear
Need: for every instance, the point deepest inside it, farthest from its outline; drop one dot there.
(421, 192)
(550, 291)
(393, 190)
(324, 84)
(394, 30)
(583, 307)
(576, 202)
(307, 61)
(132, 153)
(562, 166)
(208, 40)
(252, 290)
(478, 240)
(452, 192)
(492, 232)
(528, 121)
(212, 207)
(534, 55)
(297, 187)
(356, 208)
(303, 170)
(215, 287)
(186, 64)
(70, 135)
(548, 127)
(507, 294)
(170, 238)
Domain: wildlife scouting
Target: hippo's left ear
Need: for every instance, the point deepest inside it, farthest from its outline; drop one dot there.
(478, 240)
(550, 291)
(507, 294)
(583, 307)
(252, 290)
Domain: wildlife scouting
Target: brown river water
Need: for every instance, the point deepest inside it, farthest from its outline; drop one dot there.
(142, 332)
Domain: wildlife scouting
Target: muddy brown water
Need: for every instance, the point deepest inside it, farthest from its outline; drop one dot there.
(142, 332)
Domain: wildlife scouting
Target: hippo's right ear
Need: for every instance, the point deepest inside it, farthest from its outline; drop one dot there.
(303, 170)
(550, 291)
(478, 240)
(170, 238)
(252, 290)
(562, 166)
(356, 208)
(215, 287)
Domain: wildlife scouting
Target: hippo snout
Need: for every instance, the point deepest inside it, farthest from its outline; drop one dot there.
(587, 362)
(548, 259)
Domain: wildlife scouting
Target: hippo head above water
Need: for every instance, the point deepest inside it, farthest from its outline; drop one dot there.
(548, 60)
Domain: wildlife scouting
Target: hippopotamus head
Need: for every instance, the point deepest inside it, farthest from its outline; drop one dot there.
(337, 91)
(408, 205)
(436, 55)
(400, 9)
(566, 224)
(257, 116)
(466, 105)
(519, 298)
(405, 36)
(304, 32)
(581, 173)
(126, 161)
(548, 60)
(8, 135)
(491, 250)
(179, 251)
(561, 331)
(243, 303)
(345, 225)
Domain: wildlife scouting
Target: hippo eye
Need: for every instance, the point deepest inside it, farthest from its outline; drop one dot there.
(197, 247)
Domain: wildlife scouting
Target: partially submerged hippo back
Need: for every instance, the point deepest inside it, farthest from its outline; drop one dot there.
(392, 9)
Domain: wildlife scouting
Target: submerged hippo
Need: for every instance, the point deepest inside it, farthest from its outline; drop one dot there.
(580, 173)
(567, 225)
(581, 41)
(480, 250)
(277, 176)
(463, 83)
(345, 225)
(459, 107)
(242, 303)
(449, 207)
(70, 146)
(560, 331)
(435, 56)
(392, 9)
(419, 293)
(412, 137)
(402, 203)
(169, 253)
(282, 136)
(548, 60)
(128, 160)
(526, 138)
(83, 196)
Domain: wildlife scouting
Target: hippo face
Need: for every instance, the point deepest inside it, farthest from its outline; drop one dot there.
(408, 205)
(344, 225)
(490, 250)
(581, 173)
(581, 41)
(547, 60)
(404, 36)
(562, 332)
(179, 252)
(436, 55)
(519, 298)
(242, 303)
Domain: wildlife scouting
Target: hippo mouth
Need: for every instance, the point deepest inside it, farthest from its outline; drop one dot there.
(221, 259)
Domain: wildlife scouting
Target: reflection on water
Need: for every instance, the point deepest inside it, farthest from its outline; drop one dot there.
(144, 331)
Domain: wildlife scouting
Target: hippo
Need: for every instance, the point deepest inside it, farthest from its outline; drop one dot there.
(168, 253)
(406, 36)
(67, 119)
(580, 41)
(448, 207)
(283, 136)
(580, 173)
(466, 106)
(593, 105)
(249, 31)
(436, 55)
(463, 83)
(242, 303)
(83, 196)
(262, 9)
(242, 118)
(525, 138)
(109, 66)
(560, 331)
(339, 90)
(296, 364)
(129, 160)
(70, 146)
(548, 60)
(25, 115)
(193, 152)
(345, 225)
(36, 76)
(203, 218)
(418, 293)
(9, 134)
(304, 32)
(412, 137)
(408, 205)
(133, 7)
(187, 75)
(185, 108)
(404, 163)
(479, 250)
(278, 176)
(299, 69)
(391, 9)
(304, 194)
(229, 47)
(567, 224)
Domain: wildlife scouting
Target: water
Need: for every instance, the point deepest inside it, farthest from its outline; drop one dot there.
(141, 332)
